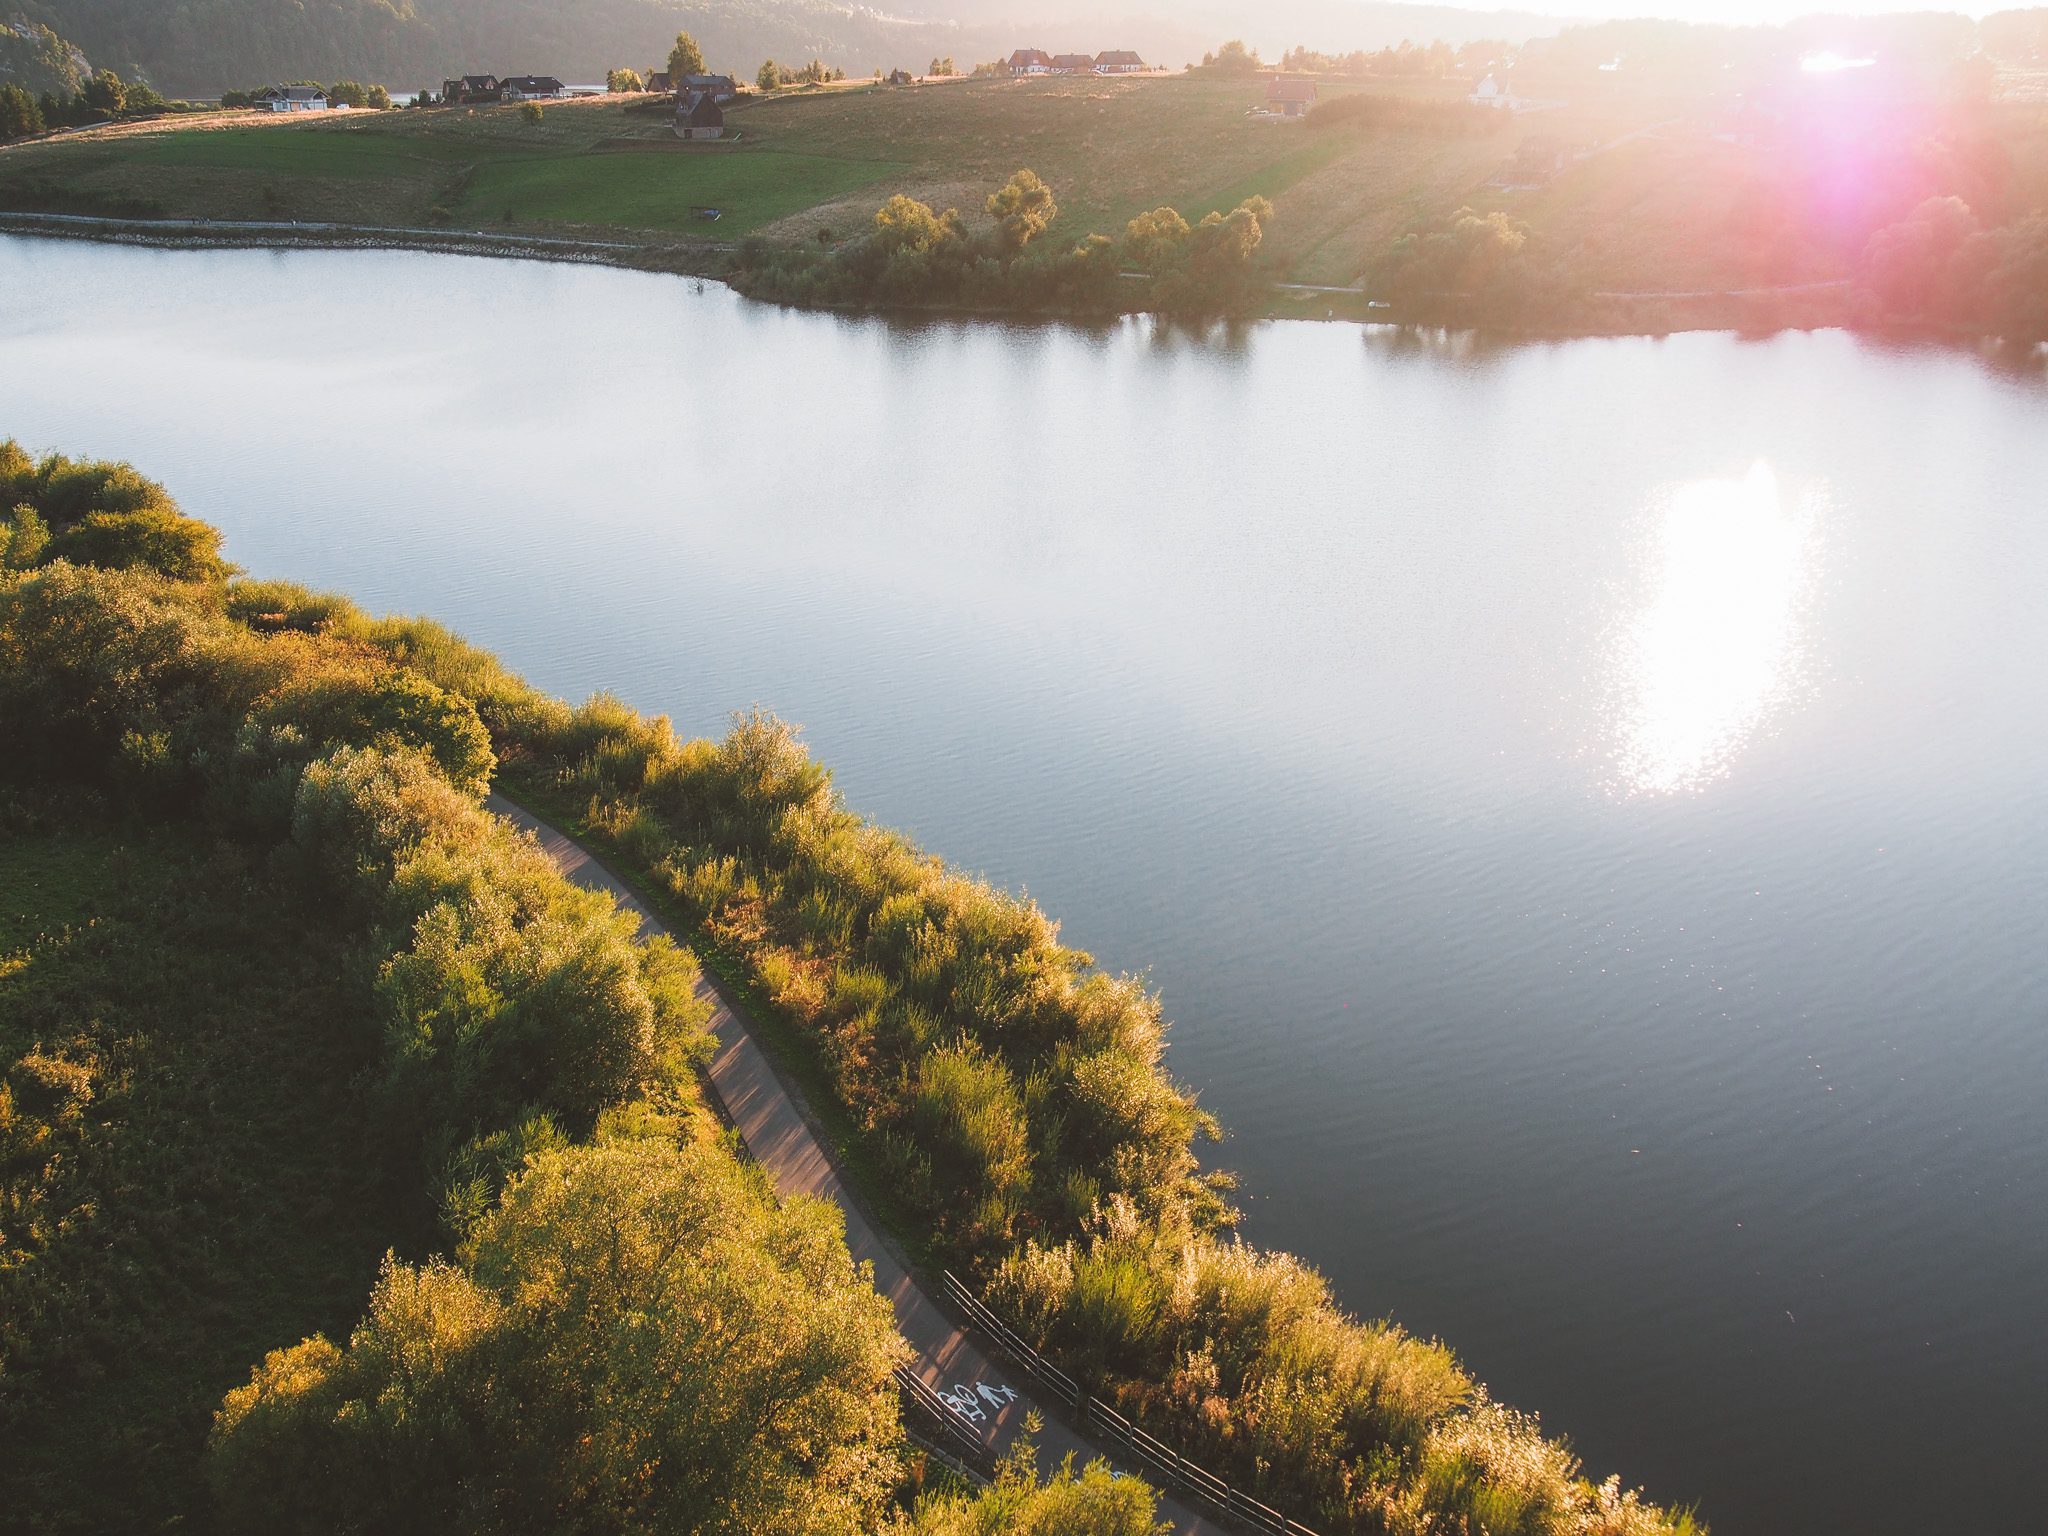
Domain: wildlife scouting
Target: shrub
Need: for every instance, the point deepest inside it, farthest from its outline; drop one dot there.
(640, 1337)
(387, 707)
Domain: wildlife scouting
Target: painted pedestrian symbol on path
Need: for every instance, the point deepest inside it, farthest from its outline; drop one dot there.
(972, 1400)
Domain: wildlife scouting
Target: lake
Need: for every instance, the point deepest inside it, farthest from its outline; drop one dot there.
(1583, 803)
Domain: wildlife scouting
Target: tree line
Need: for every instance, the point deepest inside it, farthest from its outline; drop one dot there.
(912, 256)
(1943, 266)
(600, 1318)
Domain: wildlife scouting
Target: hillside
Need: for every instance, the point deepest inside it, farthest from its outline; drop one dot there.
(204, 47)
(1617, 194)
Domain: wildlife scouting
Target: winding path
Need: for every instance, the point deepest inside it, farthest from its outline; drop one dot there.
(778, 1135)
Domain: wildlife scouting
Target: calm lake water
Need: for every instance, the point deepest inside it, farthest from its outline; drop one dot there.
(1583, 804)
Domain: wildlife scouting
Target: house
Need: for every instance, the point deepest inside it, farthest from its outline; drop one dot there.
(1492, 94)
(1290, 98)
(1073, 64)
(902, 77)
(1029, 61)
(660, 81)
(291, 98)
(719, 88)
(1121, 62)
(469, 90)
(699, 116)
(531, 88)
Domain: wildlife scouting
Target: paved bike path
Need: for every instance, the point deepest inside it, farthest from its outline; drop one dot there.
(765, 1112)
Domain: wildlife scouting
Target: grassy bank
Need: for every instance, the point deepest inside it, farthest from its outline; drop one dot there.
(186, 1178)
(1620, 197)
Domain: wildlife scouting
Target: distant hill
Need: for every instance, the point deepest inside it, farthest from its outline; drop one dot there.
(38, 60)
(202, 47)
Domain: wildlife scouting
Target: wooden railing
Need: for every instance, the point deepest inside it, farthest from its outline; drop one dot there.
(1144, 1451)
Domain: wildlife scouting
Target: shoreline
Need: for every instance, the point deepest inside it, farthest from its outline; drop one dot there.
(1747, 312)
(281, 235)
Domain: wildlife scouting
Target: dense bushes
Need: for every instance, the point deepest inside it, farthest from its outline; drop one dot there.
(639, 1337)
(1008, 1086)
(914, 257)
(1241, 1359)
(98, 514)
(636, 1333)
(1471, 266)
(1940, 265)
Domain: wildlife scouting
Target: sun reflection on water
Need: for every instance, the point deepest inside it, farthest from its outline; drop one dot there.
(1719, 646)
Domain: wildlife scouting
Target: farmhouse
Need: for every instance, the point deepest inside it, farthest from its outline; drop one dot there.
(1029, 61)
(292, 98)
(719, 88)
(1290, 98)
(699, 116)
(531, 88)
(468, 90)
(659, 81)
(1073, 64)
(1120, 62)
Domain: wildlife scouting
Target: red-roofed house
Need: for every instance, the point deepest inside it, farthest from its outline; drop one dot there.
(1029, 61)
(1291, 98)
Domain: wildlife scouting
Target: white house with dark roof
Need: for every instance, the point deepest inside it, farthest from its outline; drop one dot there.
(1119, 62)
(292, 98)
(1029, 61)
(531, 88)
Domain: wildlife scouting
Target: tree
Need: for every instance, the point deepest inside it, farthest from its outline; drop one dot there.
(380, 99)
(1154, 242)
(2016, 289)
(532, 112)
(639, 1337)
(769, 77)
(399, 708)
(1480, 259)
(1096, 1501)
(622, 82)
(1233, 58)
(104, 93)
(348, 93)
(19, 114)
(1911, 267)
(1022, 208)
(1206, 269)
(905, 224)
(686, 58)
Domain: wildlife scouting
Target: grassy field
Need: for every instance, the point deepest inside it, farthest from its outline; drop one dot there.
(1646, 200)
(182, 1185)
(802, 162)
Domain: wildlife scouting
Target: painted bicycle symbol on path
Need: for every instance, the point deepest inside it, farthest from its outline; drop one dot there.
(972, 1400)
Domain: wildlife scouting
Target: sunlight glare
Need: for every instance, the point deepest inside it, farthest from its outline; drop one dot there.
(1717, 647)
(1832, 63)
